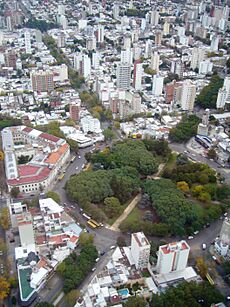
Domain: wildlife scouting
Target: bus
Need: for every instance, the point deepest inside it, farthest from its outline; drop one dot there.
(61, 177)
(95, 223)
(72, 159)
(210, 280)
(91, 225)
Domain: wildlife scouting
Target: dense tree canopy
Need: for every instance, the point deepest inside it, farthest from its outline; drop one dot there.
(187, 294)
(95, 186)
(129, 153)
(186, 129)
(171, 205)
(6, 121)
(42, 25)
(208, 95)
(75, 268)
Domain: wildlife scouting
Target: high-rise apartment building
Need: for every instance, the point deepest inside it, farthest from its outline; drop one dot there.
(100, 34)
(137, 75)
(214, 43)
(10, 58)
(188, 95)
(154, 18)
(199, 54)
(155, 61)
(223, 94)
(74, 110)
(28, 42)
(172, 257)
(158, 38)
(123, 75)
(140, 250)
(42, 81)
(158, 83)
(136, 103)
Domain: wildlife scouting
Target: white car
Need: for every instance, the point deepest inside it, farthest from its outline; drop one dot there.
(77, 167)
(190, 237)
(204, 246)
(112, 247)
(79, 157)
(93, 269)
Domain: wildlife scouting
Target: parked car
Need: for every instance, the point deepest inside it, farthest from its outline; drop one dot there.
(93, 269)
(112, 247)
(204, 246)
(190, 237)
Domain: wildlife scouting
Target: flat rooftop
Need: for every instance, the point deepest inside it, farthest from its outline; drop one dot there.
(26, 290)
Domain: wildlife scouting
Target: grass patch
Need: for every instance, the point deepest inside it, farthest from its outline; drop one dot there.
(170, 164)
(145, 274)
(110, 221)
(133, 216)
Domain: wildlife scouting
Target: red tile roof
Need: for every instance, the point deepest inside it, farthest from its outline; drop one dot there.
(27, 129)
(27, 170)
(41, 175)
(49, 137)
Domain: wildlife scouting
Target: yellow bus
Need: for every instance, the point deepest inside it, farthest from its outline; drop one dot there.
(95, 223)
(210, 280)
(61, 177)
(90, 224)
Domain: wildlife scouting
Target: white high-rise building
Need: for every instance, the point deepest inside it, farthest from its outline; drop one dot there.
(28, 42)
(223, 94)
(143, 24)
(127, 56)
(205, 67)
(63, 22)
(86, 64)
(172, 257)
(155, 61)
(198, 55)
(223, 243)
(148, 48)
(127, 42)
(116, 11)
(1, 38)
(96, 60)
(140, 250)
(181, 31)
(214, 43)
(100, 34)
(137, 79)
(136, 52)
(188, 95)
(166, 28)
(154, 19)
(227, 86)
(61, 9)
(123, 75)
(61, 40)
(158, 83)
(221, 98)
(77, 59)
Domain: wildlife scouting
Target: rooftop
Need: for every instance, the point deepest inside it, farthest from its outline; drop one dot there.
(24, 281)
(175, 246)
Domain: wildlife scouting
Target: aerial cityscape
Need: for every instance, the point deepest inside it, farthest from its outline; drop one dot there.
(114, 153)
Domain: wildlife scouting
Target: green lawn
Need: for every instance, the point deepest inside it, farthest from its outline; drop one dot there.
(112, 220)
(133, 216)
